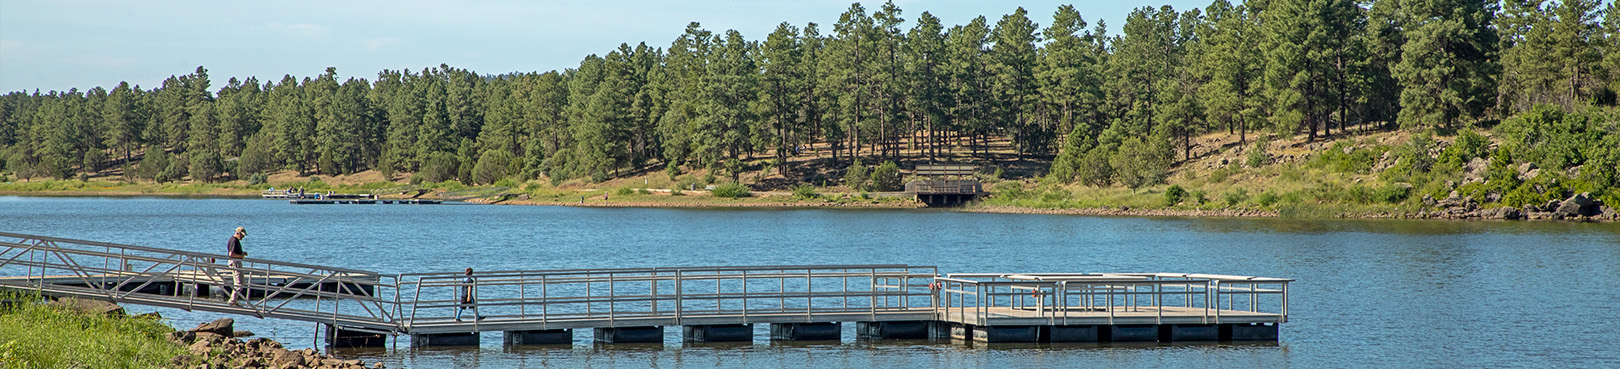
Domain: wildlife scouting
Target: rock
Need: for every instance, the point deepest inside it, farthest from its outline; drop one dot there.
(208, 337)
(182, 336)
(1609, 213)
(377, 365)
(351, 362)
(331, 362)
(200, 348)
(1428, 200)
(1532, 174)
(152, 315)
(1526, 167)
(287, 358)
(240, 334)
(223, 327)
(1493, 196)
(1508, 213)
(1579, 205)
(91, 307)
(1474, 171)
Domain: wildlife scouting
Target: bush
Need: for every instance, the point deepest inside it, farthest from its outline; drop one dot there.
(1219, 175)
(1139, 163)
(493, 166)
(258, 179)
(1009, 189)
(1173, 195)
(439, 167)
(1394, 193)
(673, 170)
(1257, 155)
(805, 191)
(731, 190)
(624, 191)
(1093, 169)
(506, 182)
(206, 167)
(1236, 196)
(887, 177)
(856, 176)
(1199, 197)
(1265, 199)
(175, 171)
(1469, 145)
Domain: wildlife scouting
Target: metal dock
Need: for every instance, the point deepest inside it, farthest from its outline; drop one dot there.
(710, 303)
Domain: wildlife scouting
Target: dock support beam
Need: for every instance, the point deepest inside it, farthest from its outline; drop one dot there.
(1007, 333)
(807, 331)
(540, 337)
(1133, 333)
(344, 338)
(445, 339)
(630, 334)
(906, 330)
(718, 333)
(1249, 332)
(1190, 332)
(1072, 333)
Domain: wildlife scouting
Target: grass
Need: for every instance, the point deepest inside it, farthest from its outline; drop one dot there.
(35, 335)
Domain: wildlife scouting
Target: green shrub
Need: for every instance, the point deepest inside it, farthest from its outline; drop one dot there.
(886, 177)
(1393, 193)
(730, 190)
(1236, 196)
(1173, 195)
(1265, 199)
(1219, 175)
(1139, 163)
(493, 166)
(258, 179)
(1467, 146)
(1200, 197)
(805, 191)
(624, 191)
(673, 170)
(856, 176)
(1257, 155)
(206, 167)
(506, 182)
(439, 167)
(1008, 189)
(1093, 169)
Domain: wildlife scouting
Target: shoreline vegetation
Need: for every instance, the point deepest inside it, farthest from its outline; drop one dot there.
(1372, 109)
(1365, 174)
(78, 333)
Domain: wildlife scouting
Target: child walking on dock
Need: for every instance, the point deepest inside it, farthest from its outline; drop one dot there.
(466, 298)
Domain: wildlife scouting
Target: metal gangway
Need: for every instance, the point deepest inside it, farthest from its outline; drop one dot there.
(426, 304)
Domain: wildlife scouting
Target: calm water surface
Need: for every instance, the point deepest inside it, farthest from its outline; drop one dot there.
(1370, 293)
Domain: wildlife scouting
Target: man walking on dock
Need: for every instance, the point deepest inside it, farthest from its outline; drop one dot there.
(234, 249)
(466, 297)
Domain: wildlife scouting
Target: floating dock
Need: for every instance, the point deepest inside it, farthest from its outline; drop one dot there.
(368, 201)
(628, 305)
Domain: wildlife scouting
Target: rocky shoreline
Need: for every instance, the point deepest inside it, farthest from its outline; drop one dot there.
(1125, 211)
(217, 345)
(1579, 207)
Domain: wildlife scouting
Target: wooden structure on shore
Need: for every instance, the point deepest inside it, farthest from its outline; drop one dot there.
(624, 305)
(945, 185)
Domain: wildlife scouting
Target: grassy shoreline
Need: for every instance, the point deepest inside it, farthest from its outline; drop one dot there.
(37, 335)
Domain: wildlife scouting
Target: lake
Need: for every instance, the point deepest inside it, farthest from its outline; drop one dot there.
(1370, 293)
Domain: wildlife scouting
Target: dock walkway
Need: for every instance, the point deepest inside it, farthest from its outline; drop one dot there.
(711, 303)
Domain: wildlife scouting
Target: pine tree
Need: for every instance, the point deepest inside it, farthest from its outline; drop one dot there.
(1448, 62)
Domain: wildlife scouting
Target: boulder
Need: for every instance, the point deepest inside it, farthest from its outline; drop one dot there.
(240, 334)
(287, 359)
(200, 348)
(1609, 213)
(209, 337)
(91, 307)
(1579, 205)
(1526, 167)
(1428, 200)
(224, 327)
(1509, 213)
(1475, 170)
(182, 336)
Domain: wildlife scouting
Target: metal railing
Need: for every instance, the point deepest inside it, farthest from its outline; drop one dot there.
(1064, 298)
(668, 295)
(179, 279)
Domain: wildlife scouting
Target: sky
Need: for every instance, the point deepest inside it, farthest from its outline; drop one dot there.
(57, 45)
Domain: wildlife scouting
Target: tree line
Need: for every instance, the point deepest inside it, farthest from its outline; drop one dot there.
(873, 85)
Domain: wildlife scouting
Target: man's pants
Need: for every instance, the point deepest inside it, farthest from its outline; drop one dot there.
(238, 277)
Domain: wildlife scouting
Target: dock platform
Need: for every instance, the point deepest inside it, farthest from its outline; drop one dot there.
(709, 303)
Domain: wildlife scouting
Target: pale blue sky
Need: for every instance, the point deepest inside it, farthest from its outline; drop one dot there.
(56, 45)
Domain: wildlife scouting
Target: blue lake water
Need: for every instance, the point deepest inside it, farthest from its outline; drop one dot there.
(1370, 293)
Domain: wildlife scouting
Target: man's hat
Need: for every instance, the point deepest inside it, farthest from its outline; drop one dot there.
(241, 231)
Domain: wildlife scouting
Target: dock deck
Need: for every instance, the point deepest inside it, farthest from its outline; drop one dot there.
(711, 303)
